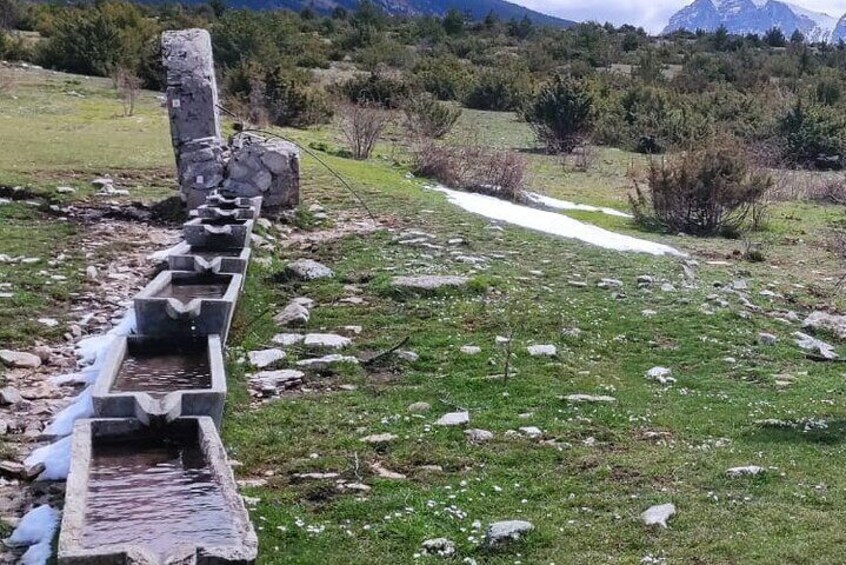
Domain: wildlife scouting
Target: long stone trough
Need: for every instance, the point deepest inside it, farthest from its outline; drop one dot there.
(200, 260)
(159, 380)
(180, 303)
(149, 481)
(144, 495)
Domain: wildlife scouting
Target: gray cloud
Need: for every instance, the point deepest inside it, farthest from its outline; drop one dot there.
(652, 15)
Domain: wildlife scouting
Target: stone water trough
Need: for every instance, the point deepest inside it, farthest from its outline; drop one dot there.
(158, 380)
(200, 260)
(220, 233)
(219, 200)
(147, 495)
(210, 212)
(185, 304)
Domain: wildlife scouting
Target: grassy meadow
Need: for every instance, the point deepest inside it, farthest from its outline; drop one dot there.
(596, 467)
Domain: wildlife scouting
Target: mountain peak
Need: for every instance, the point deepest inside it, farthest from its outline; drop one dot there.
(754, 16)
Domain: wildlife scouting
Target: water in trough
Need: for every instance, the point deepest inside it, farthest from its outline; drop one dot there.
(156, 493)
(161, 370)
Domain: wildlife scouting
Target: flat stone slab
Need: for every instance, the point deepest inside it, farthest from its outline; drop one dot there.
(270, 382)
(578, 398)
(286, 340)
(308, 270)
(19, 359)
(454, 419)
(376, 439)
(326, 341)
(326, 362)
(506, 531)
(542, 350)
(429, 282)
(658, 515)
(265, 357)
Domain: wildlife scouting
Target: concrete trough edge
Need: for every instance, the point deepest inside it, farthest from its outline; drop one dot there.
(152, 411)
(183, 258)
(198, 233)
(162, 316)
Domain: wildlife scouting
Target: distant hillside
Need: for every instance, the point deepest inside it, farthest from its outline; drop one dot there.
(477, 9)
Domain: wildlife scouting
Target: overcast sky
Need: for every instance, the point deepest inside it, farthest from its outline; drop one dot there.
(653, 15)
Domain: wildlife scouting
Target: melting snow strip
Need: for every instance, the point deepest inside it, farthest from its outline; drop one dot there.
(552, 223)
(550, 202)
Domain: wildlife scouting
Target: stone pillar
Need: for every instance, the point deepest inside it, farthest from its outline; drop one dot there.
(192, 109)
(269, 168)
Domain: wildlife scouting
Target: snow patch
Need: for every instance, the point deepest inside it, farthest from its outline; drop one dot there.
(56, 460)
(551, 223)
(550, 202)
(81, 407)
(36, 530)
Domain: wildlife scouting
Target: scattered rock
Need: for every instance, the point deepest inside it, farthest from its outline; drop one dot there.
(440, 547)
(286, 340)
(610, 283)
(658, 515)
(542, 350)
(408, 356)
(748, 471)
(531, 432)
(19, 359)
(376, 439)
(9, 396)
(91, 272)
(419, 407)
(500, 533)
(265, 357)
(454, 419)
(589, 398)
(326, 341)
(767, 339)
(478, 436)
(429, 282)
(294, 314)
(825, 322)
(270, 382)
(660, 375)
(65, 189)
(44, 352)
(308, 270)
(383, 473)
(471, 349)
(808, 343)
(326, 362)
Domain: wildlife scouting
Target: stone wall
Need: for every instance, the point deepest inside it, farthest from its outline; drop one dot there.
(266, 168)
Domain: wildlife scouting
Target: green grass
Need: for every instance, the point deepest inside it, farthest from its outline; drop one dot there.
(603, 466)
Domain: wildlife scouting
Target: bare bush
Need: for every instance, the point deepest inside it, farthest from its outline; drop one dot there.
(496, 172)
(363, 125)
(128, 86)
(703, 193)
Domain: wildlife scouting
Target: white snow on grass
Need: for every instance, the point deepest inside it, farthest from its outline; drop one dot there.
(36, 530)
(56, 460)
(552, 223)
(550, 202)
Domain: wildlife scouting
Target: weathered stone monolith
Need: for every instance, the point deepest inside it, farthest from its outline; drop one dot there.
(192, 108)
